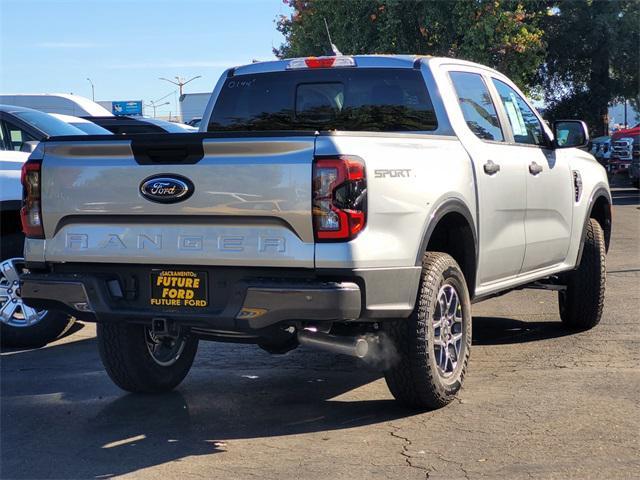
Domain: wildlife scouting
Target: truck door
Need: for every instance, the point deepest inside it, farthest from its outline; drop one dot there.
(549, 184)
(500, 176)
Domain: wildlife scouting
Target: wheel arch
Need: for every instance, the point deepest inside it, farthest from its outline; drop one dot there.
(452, 230)
(599, 208)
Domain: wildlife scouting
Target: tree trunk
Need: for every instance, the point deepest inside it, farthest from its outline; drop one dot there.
(599, 79)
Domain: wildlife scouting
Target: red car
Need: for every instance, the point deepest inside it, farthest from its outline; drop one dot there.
(622, 148)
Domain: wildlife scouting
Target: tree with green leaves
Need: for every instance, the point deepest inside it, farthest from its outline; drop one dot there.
(579, 55)
(501, 34)
(592, 59)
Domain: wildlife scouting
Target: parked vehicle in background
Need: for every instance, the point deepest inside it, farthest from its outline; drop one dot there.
(64, 103)
(20, 131)
(83, 124)
(601, 150)
(625, 146)
(121, 125)
(25, 127)
(355, 204)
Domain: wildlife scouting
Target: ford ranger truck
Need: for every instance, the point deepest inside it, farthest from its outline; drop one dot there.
(358, 204)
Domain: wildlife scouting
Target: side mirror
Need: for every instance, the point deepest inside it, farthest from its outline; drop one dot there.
(28, 147)
(570, 134)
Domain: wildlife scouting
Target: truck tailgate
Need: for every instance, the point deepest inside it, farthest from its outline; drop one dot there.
(251, 201)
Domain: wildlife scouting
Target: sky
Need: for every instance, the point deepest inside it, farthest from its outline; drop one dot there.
(53, 46)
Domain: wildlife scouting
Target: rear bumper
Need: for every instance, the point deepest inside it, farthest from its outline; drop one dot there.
(243, 306)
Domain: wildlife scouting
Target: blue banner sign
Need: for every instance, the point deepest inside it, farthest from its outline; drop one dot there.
(127, 107)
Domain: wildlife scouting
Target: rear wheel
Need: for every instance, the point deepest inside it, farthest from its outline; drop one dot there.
(582, 302)
(137, 360)
(434, 342)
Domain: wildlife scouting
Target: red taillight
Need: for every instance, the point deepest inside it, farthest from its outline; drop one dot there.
(319, 62)
(339, 198)
(31, 211)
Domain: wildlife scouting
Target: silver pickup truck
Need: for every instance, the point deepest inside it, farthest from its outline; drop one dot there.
(354, 203)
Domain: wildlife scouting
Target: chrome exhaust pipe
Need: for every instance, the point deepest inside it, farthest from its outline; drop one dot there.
(352, 346)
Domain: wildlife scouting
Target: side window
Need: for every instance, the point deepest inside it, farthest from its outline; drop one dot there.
(477, 108)
(525, 125)
(17, 136)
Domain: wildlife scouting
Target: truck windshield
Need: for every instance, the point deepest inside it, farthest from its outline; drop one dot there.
(365, 99)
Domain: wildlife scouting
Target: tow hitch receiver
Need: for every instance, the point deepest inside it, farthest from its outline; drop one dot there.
(161, 327)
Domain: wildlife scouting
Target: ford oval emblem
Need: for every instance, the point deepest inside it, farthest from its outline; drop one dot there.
(166, 188)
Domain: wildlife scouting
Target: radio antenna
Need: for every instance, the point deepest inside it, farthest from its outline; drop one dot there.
(334, 49)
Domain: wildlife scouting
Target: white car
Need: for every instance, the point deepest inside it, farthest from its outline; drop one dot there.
(64, 103)
(21, 129)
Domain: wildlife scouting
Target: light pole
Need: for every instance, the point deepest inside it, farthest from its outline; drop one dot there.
(93, 90)
(155, 105)
(181, 82)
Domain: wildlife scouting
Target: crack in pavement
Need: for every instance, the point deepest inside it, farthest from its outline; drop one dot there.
(405, 451)
(438, 455)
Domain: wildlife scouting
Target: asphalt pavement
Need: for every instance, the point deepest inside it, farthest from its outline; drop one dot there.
(538, 402)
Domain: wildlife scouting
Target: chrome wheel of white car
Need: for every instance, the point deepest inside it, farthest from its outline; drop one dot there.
(20, 325)
(13, 311)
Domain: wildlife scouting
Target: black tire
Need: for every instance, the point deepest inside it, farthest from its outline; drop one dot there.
(52, 326)
(415, 379)
(128, 361)
(582, 303)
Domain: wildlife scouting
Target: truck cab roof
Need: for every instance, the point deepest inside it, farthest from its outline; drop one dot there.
(361, 61)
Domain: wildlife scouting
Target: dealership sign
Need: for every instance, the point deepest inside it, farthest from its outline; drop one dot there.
(127, 107)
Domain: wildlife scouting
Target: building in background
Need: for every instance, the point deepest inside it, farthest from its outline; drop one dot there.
(192, 105)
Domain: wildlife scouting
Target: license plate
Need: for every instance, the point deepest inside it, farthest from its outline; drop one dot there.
(178, 289)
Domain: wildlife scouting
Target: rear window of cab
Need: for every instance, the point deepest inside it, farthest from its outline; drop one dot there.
(347, 99)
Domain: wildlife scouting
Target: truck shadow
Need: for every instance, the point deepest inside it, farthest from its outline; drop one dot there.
(505, 331)
(61, 396)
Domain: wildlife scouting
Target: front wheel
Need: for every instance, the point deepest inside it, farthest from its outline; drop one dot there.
(582, 302)
(137, 360)
(435, 341)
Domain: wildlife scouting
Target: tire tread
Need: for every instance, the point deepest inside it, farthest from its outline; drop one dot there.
(582, 305)
(411, 381)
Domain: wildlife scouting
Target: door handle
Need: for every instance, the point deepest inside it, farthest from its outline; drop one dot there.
(491, 168)
(534, 168)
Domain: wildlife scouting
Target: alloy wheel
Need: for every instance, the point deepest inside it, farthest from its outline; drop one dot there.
(448, 327)
(13, 311)
(165, 350)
